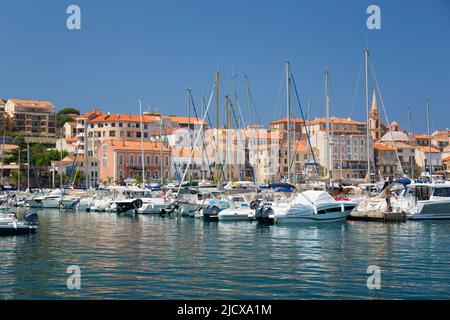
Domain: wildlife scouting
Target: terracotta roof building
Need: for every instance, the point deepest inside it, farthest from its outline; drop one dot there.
(121, 159)
(32, 117)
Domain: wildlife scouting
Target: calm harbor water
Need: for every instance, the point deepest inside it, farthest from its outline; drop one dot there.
(149, 257)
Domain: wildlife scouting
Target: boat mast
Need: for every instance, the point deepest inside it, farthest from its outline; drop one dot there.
(142, 142)
(18, 172)
(28, 166)
(189, 127)
(203, 144)
(161, 148)
(86, 153)
(227, 130)
(410, 132)
(247, 86)
(288, 106)
(60, 165)
(217, 129)
(309, 126)
(366, 64)
(430, 166)
(237, 121)
(327, 125)
(3, 158)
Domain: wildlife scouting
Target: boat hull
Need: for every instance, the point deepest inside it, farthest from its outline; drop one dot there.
(235, 215)
(332, 213)
(431, 210)
(10, 231)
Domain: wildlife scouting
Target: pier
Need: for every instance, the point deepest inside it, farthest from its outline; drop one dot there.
(379, 216)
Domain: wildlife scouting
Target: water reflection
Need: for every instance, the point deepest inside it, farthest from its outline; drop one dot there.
(143, 257)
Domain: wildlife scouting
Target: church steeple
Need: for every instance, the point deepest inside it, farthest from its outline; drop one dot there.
(374, 101)
(375, 127)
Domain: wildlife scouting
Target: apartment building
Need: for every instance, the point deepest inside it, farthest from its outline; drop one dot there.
(403, 149)
(343, 153)
(2, 114)
(69, 130)
(120, 160)
(424, 156)
(386, 163)
(33, 118)
(264, 150)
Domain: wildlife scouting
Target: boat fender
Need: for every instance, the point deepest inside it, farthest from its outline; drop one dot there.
(342, 207)
(315, 209)
(15, 224)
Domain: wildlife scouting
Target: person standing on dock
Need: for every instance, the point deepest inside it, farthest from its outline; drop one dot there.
(387, 194)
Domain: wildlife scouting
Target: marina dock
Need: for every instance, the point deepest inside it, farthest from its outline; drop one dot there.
(379, 216)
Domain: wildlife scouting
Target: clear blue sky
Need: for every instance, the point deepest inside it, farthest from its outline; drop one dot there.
(154, 50)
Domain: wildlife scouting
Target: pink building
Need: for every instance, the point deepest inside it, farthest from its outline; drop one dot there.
(122, 159)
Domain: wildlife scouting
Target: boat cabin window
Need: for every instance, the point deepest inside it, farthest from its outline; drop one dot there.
(238, 199)
(422, 193)
(441, 192)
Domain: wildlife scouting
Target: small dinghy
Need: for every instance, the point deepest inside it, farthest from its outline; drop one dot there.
(10, 225)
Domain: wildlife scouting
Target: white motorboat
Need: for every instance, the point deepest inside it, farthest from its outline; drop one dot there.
(51, 200)
(240, 210)
(192, 204)
(10, 225)
(312, 205)
(154, 205)
(422, 201)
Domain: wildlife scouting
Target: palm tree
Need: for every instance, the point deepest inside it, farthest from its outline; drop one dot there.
(138, 179)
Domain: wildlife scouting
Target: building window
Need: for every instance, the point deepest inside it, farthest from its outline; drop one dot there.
(120, 174)
(120, 124)
(139, 160)
(166, 174)
(104, 147)
(112, 133)
(156, 174)
(166, 161)
(156, 160)
(131, 160)
(148, 160)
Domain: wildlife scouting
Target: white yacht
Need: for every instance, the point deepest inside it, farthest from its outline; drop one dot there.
(422, 201)
(312, 205)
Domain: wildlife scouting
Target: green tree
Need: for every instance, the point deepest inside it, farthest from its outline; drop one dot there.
(14, 178)
(63, 116)
(78, 177)
(138, 178)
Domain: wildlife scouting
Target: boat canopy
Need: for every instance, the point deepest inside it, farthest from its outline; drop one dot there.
(282, 187)
(314, 197)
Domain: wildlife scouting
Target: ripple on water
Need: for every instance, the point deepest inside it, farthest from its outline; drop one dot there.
(148, 257)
